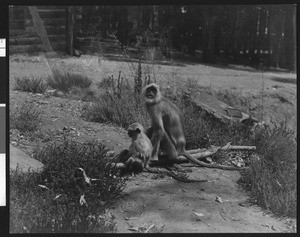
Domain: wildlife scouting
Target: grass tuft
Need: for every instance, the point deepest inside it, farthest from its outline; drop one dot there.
(27, 84)
(64, 81)
(25, 117)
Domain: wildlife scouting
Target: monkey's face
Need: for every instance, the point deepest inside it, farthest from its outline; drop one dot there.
(133, 133)
(151, 92)
(134, 129)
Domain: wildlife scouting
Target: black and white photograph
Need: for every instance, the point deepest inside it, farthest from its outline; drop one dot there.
(152, 118)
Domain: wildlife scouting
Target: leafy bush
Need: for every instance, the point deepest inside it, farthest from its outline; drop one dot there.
(25, 118)
(65, 81)
(34, 85)
(272, 178)
(57, 209)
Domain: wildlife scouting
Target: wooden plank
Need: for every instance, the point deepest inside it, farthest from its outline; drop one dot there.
(40, 28)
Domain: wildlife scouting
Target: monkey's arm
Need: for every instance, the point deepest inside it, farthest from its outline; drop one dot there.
(123, 156)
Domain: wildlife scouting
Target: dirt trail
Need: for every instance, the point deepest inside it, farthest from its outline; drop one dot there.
(173, 204)
(148, 198)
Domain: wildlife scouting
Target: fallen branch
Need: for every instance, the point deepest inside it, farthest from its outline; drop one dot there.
(227, 147)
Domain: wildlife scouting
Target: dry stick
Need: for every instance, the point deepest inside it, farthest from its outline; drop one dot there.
(224, 148)
(204, 154)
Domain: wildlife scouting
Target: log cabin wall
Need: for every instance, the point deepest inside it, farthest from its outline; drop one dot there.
(22, 35)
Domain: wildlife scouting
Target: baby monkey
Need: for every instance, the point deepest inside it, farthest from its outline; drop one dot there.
(137, 158)
(140, 150)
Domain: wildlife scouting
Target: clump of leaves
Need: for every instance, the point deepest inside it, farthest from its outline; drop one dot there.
(49, 202)
(25, 118)
(30, 84)
(64, 81)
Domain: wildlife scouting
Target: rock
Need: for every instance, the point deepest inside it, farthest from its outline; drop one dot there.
(198, 216)
(208, 160)
(218, 199)
(20, 159)
(110, 153)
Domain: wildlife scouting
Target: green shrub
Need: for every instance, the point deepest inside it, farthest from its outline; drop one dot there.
(272, 178)
(56, 209)
(25, 118)
(34, 85)
(65, 81)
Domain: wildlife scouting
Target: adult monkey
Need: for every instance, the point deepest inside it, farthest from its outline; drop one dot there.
(166, 128)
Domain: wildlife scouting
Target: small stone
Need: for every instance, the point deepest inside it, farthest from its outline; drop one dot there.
(198, 216)
(218, 199)
(208, 160)
(110, 153)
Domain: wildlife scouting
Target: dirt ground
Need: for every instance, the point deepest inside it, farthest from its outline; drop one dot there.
(149, 199)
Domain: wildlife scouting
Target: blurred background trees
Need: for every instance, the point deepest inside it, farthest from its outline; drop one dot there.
(249, 34)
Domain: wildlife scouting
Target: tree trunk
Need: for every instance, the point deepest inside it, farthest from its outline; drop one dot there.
(70, 27)
(86, 17)
(236, 32)
(155, 18)
(208, 36)
(275, 32)
(280, 48)
(123, 24)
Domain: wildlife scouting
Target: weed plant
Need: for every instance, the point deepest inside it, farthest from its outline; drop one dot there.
(119, 104)
(64, 81)
(54, 207)
(27, 84)
(25, 117)
(121, 111)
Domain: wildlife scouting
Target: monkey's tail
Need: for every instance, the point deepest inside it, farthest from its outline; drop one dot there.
(216, 166)
(182, 177)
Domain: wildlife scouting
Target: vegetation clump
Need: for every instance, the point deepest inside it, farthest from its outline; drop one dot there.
(33, 85)
(65, 81)
(25, 117)
(51, 202)
(272, 177)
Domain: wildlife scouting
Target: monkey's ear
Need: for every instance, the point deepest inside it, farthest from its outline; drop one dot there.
(138, 130)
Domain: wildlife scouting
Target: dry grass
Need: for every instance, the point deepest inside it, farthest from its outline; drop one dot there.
(64, 81)
(25, 117)
(27, 84)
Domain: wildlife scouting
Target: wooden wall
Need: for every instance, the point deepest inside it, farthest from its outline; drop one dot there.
(22, 34)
